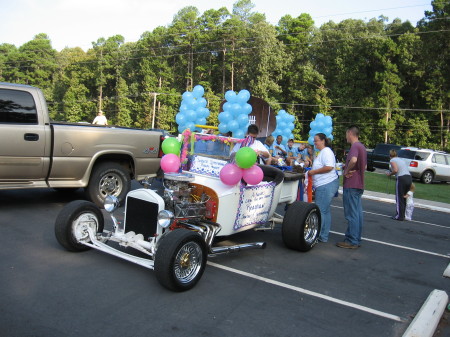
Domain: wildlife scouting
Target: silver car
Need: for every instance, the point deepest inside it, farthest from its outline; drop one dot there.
(426, 165)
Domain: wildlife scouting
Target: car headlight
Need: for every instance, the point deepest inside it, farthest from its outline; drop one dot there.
(165, 218)
(111, 203)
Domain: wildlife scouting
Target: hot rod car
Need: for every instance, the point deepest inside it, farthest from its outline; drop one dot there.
(173, 229)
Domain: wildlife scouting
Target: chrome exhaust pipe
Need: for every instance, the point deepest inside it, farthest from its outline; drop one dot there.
(237, 248)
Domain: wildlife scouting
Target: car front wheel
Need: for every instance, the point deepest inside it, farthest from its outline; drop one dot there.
(180, 259)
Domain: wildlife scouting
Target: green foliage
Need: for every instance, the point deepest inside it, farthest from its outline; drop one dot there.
(391, 79)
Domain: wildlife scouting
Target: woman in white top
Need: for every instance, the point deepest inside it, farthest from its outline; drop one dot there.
(325, 181)
(403, 184)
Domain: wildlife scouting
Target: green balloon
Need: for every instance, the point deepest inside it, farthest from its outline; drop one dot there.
(245, 157)
(171, 145)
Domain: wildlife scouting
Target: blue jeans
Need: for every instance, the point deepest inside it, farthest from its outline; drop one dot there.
(324, 195)
(353, 213)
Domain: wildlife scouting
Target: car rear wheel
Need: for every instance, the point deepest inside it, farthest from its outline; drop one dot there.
(180, 259)
(427, 177)
(301, 226)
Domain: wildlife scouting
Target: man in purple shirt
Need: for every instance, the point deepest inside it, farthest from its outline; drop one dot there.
(355, 166)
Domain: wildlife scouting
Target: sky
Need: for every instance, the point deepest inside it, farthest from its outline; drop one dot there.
(78, 23)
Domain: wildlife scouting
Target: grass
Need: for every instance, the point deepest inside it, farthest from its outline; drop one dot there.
(377, 182)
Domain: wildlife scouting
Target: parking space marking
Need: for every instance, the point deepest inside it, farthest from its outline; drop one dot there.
(412, 221)
(309, 292)
(399, 246)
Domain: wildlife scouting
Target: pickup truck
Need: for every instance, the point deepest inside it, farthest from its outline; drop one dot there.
(38, 153)
(379, 156)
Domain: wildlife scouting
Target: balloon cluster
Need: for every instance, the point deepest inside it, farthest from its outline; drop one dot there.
(285, 125)
(170, 162)
(234, 116)
(244, 168)
(321, 124)
(192, 110)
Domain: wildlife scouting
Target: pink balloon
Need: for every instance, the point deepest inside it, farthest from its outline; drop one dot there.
(253, 175)
(170, 163)
(230, 174)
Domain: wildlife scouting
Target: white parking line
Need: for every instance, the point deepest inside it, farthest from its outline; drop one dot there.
(398, 246)
(412, 221)
(309, 292)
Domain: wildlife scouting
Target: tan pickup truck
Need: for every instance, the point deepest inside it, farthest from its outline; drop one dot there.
(38, 153)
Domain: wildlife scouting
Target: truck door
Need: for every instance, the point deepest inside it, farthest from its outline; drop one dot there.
(440, 166)
(22, 138)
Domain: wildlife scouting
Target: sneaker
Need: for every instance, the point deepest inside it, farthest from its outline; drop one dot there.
(347, 245)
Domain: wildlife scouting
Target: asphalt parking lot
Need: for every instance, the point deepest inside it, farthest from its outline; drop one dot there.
(375, 290)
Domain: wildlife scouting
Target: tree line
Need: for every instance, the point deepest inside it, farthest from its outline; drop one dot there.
(390, 78)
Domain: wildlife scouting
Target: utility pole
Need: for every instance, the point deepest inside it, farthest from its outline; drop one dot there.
(154, 109)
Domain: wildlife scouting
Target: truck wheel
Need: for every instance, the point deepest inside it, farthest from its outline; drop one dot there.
(108, 179)
(301, 226)
(180, 260)
(427, 177)
(72, 223)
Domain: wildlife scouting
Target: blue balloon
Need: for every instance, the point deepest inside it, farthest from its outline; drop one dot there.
(243, 96)
(226, 106)
(281, 125)
(290, 126)
(181, 128)
(313, 124)
(187, 95)
(225, 117)
(230, 96)
(198, 91)
(239, 134)
(319, 116)
(328, 120)
(201, 102)
(201, 121)
(191, 115)
(286, 133)
(183, 107)
(327, 131)
(330, 136)
(180, 118)
(247, 108)
(243, 120)
(236, 109)
(204, 112)
(311, 140)
(190, 126)
(320, 125)
(233, 126)
(291, 118)
(223, 128)
(281, 112)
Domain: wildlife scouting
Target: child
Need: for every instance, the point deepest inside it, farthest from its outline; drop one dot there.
(409, 203)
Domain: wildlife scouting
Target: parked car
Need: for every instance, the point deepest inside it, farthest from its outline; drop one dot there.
(379, 156)
(426, 165)
(39, 153)
(172, 230)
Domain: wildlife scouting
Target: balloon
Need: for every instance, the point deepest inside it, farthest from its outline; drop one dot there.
(319, 116)
(226, 106)
(331, 137)
(247, 109)
(239, 134)
(230, 174)
(281, 125)
(192, 103)
(243, 96)
(245, 157)
(319, 126)
(236, 109)
(191, 115)
(187, 95)
(198, 91)
(226, 116)
(201, 121)
(170, 163)
(233, 125)
(311, 140)
(180, 118)
(171, 145)
(286, 133)
(327, 131)
(290, 126)
(328, 120)
(243, 120)
(282, 112)
(190, 126)
(203, 112)
(313, 124)
(183, 107)
(253, 175)
(223, 127)
(201, 102)
(230, 96)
